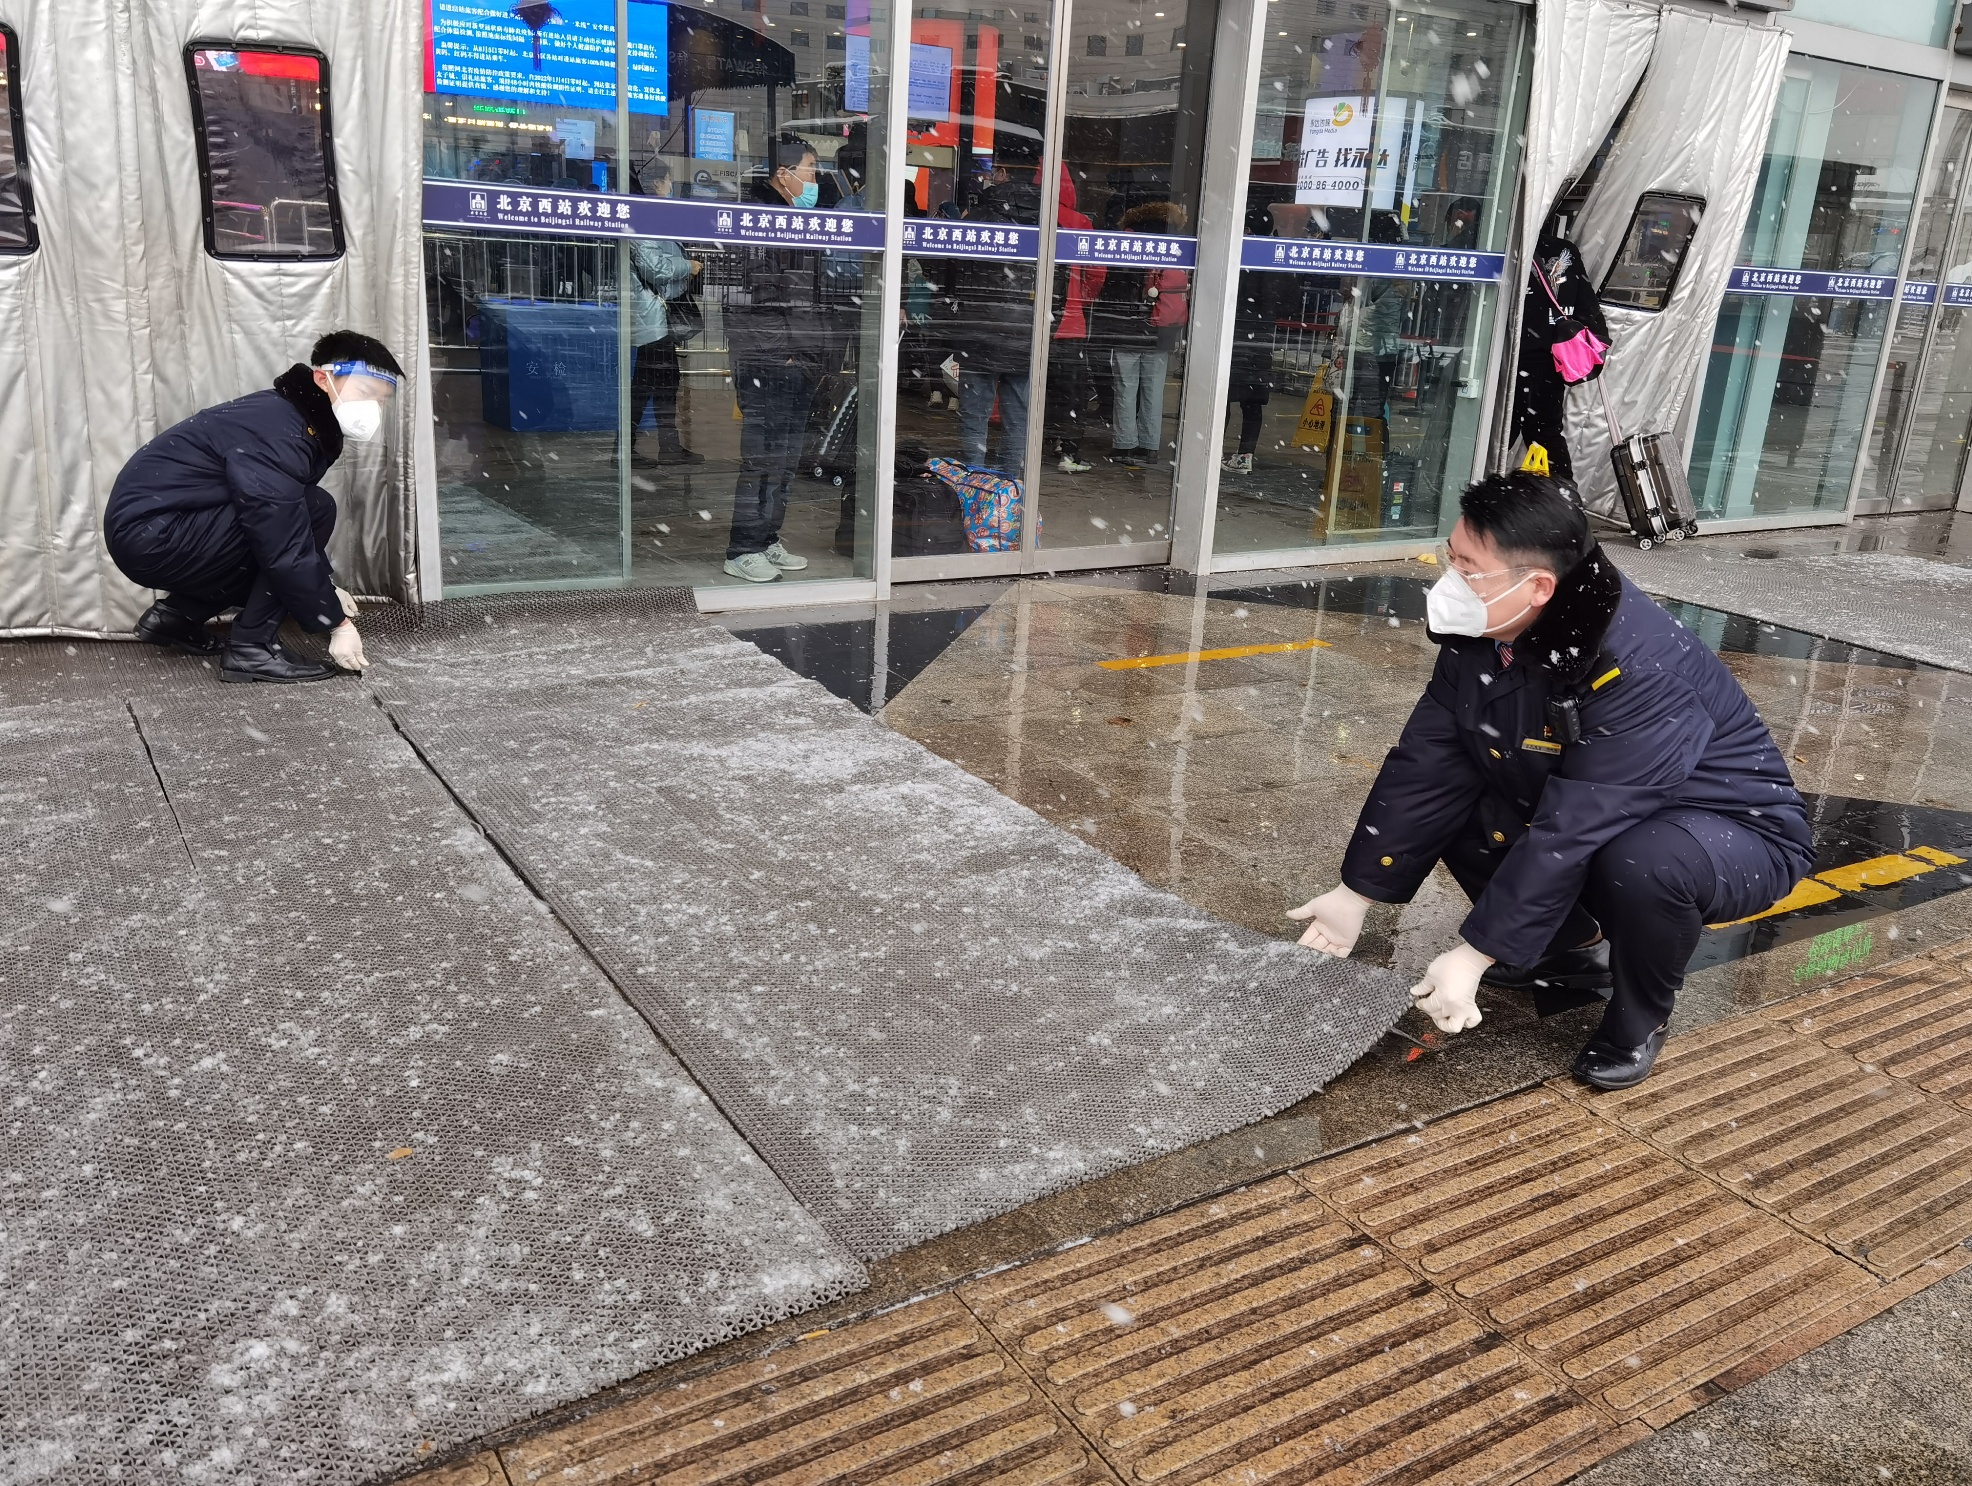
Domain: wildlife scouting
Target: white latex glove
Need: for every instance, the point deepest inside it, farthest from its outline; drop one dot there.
(348, 601)
(1337, 920)
(1449, 992)
(346, 647)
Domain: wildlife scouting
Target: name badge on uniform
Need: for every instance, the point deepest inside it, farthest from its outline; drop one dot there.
(1541, 745)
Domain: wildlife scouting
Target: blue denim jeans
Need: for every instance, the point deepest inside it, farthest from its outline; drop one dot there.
(976, 393)
(1139, 417)
(774, 403)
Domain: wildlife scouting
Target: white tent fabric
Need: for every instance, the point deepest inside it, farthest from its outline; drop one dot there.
(1588, 57)
(121, 324)
(1676, 139)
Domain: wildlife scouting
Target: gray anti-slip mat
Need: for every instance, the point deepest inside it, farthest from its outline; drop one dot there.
(921, 1002)
(1906, 606)
(324, 1148)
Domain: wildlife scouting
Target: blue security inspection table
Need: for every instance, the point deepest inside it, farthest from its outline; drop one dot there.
(548, 368)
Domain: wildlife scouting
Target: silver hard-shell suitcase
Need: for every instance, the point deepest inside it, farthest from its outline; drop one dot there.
(1650, 473)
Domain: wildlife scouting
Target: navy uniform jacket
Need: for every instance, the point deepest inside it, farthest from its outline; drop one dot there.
(259, 455)
(1666, 731)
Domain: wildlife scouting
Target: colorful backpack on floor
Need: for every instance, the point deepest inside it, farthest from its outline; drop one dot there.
(990, 500)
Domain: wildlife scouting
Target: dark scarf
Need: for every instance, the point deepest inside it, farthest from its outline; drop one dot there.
(1566, 637)
(297, 385)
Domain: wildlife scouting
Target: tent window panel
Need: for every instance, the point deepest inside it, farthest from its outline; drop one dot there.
(265, 162)
(1651, 255)
(17, 233)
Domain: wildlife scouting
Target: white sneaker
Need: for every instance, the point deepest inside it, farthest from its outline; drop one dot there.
(785, 560)
(1070, 465)
(1239, 464)
(755, 567)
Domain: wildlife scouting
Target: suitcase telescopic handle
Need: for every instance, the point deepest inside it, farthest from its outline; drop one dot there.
(1615, 428)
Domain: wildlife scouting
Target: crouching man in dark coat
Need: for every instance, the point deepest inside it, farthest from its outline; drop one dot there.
(227, 509)
(1590, 774)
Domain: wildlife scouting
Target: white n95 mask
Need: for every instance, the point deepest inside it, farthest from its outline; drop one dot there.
(1452, 608)
(361, 421)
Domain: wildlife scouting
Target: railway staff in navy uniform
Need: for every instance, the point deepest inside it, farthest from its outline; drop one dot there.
(226, 509)
(1588, 771)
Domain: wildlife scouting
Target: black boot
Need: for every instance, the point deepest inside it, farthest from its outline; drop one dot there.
(1609, 1067)
(164, 626)
(1583, 969)
(247, 662)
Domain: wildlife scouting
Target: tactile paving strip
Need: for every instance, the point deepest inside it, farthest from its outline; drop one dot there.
(1635, 1277)
(1256, 1338)
(1860, 1161)
(322, 1148)
(918, 1397)
(920, 1001)
(1913, 1021)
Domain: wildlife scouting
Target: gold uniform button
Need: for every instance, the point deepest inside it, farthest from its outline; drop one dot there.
(1494, 752)
(1499, 835)
(1389, 861)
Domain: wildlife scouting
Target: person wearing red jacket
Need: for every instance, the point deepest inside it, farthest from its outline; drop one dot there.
(1071, 383)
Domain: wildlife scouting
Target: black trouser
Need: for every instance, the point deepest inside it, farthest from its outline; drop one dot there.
(202, 561)
(1539, 416)
(1251, 411)
(654, 383)
(1651, 891)
(1070, 386)
(775, 402)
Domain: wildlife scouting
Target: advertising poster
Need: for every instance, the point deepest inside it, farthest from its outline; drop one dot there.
(561, 53)
(1334, 164)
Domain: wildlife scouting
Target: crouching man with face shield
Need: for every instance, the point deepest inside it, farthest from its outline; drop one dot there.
(1590, 774)
(225, 509)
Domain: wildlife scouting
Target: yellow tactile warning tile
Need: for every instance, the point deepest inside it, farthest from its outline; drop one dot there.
(1865, 1164)
(1634, 1276)
(1257, 1338)
(916, 1397)
(1912, 1020)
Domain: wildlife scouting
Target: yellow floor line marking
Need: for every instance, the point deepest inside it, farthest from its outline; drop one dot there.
(1825, 887)
(1876, 872)
(1144, 662)
(1807, 892)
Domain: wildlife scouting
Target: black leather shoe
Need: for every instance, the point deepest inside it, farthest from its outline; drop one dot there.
(269, 663)
(1584, 969)
(164, 626)
(680, 455)
(1609, 1067)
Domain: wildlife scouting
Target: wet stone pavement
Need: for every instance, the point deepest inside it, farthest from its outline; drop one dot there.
(1220, 745)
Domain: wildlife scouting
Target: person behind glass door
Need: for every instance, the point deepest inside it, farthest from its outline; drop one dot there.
(1070, 382)
(1255, 312)
(989, 308)
(660, 273)
(1140, 317)
(783, 338)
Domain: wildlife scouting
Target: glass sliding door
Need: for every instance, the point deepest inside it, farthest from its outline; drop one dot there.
(1926, 405)
(1088, 426)
(1133, 142)
(655, 361)
(1384, 154)
(526, 377)
(1781, 422)
(972, 201)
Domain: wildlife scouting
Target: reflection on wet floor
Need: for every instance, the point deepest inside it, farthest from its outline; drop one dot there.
(1221, 744)
(1235, 782)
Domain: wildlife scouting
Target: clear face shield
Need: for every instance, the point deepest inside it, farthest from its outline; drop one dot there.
(359, 391)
